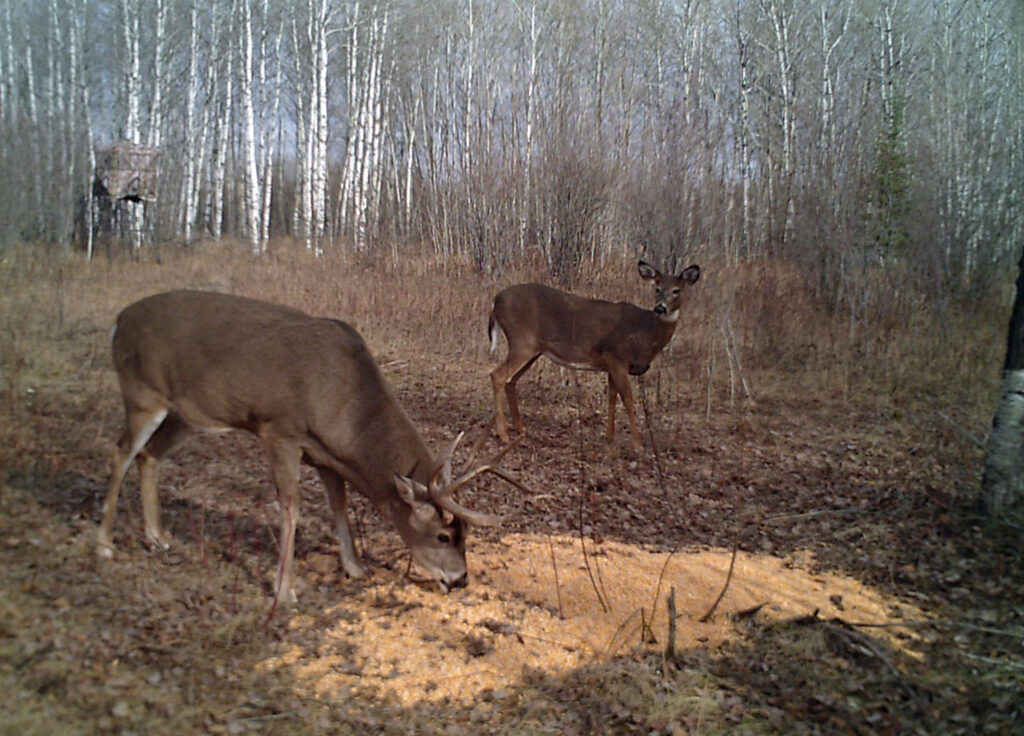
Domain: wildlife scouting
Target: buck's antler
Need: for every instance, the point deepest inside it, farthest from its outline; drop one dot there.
(442, 488)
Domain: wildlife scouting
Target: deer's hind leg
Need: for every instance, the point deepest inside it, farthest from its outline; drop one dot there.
(140, 425)
(167, 436)
(503, 381)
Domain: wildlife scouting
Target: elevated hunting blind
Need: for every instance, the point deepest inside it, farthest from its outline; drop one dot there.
(123, 189)
(126, 171)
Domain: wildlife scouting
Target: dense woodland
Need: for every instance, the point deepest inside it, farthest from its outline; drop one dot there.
(843, 136)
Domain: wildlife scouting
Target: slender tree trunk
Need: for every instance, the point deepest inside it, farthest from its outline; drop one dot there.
(268, 129)
(252, 185)
(1002, 484)
(223, 125)
(85, 138)
(190, 153)
(319, 128)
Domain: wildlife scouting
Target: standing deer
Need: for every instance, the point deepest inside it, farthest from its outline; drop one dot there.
(310, 391)
(617, 338)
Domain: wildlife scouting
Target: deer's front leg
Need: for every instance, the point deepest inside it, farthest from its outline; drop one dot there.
(612, 394)
(284, 466)
(618, 381)
(337, 496)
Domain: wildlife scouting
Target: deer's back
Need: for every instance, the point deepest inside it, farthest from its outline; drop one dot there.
(227, 360)
(554, 316)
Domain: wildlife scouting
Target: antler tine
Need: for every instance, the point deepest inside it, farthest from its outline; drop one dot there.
(503, 451)
(443, 496)
(445, 458)
(484, 434)
(509, 478)
(488, 467)
(477, 518)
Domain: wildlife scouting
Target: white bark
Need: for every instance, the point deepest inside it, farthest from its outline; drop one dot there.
(1003, 483)
(188, 186)
(130, 39)
(156, 111)
(319, 127)
(132, 102)
(781, 17)
(744, 134)
(90, 148)
(60, 108)
(33, 118)
(223, 127)
(366, 92)
(245, 91)
(6, 65)
(303, 203)
(531, 108)
(269, 126)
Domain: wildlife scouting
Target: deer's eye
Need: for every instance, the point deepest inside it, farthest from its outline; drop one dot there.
(675, 291)
(444, 538)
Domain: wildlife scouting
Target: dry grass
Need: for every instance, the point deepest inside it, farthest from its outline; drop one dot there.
(765, 404)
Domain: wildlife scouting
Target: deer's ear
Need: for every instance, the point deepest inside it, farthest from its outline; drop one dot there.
(406, 489)
(691, 274)
(423, 511)
(646, 270)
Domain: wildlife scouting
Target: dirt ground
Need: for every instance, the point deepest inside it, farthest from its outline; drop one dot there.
(868, 594)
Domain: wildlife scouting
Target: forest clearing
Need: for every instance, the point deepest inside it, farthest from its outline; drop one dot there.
(869, 594)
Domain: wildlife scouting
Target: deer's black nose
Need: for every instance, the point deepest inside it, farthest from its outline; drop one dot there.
(660, 309)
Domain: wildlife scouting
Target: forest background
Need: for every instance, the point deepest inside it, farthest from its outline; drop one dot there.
(844, 137)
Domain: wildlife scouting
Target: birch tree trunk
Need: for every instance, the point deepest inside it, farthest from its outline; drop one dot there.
(363, 157)
(528, 143)
(270, 126)
(7, 65)
(81, 90)
(33, 119)
(781, 18)
(223, 128)
(303, 204)
(318, 111)
(188, 186)
(132, 103)
(1002, 485)
(59, 107)
(155, 138)
(743, 131)
(245, 91)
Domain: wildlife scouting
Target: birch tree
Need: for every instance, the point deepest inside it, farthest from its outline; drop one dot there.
(189, 190)
(1002, 485)
(80, 89)
(132, 100)
(365, 98)
(252, 184)
(270, 120)
(222, 124)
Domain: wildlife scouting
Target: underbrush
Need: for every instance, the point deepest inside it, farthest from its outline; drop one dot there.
(745, 329)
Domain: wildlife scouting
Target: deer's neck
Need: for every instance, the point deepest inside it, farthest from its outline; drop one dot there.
(663, 328)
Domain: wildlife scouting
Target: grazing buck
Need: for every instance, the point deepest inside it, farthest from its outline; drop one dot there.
(617, 338)
(310, 391)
